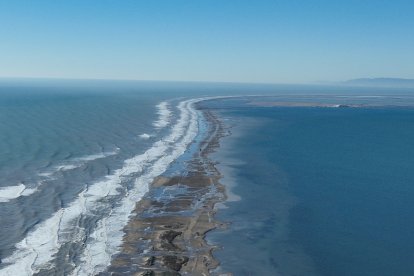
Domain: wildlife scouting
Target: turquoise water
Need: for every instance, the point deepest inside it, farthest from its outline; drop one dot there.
(323, 191)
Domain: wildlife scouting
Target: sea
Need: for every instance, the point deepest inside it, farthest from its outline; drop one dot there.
(311, 190)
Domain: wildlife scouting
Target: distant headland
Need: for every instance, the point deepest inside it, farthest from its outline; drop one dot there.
(381, 82)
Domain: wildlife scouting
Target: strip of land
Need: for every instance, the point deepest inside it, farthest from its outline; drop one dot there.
(166, 233)
(299, 104)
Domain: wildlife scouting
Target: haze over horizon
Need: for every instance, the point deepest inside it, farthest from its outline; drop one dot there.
(233, 41)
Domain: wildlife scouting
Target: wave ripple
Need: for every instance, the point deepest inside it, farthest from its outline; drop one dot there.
(39, 248)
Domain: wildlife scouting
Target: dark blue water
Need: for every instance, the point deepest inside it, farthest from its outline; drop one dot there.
(325, 191)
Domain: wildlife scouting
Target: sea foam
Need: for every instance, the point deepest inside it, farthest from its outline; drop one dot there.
(164, 115)
(145, 136)
(12, 192)
(80, 161)
(107, 237)
(37, 249)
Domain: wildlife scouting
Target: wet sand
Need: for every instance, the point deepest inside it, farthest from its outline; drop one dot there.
(166, 232)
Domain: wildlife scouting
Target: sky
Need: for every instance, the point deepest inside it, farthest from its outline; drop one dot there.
(263, 41)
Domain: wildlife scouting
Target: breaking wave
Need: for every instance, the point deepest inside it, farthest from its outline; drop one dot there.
(41, 245)
(164, 114)
(11, 192)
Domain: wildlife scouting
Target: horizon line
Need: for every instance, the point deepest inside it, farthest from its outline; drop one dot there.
(157, 80)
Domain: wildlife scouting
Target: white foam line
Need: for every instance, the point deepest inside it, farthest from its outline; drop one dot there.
(107, 237)
(145, 136)
(164, 114)
(80, 161)
(37, 249)
(74, 163)
(97, 156)
(11, 192)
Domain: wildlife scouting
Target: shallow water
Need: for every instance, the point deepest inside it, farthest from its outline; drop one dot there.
(325, 191)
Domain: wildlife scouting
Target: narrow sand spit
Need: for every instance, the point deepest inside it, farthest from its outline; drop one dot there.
(166, 233)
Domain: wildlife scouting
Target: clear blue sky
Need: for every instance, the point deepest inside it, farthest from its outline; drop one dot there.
(288, 41)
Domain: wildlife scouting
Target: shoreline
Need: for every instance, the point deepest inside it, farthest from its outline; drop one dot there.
(166, 233)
